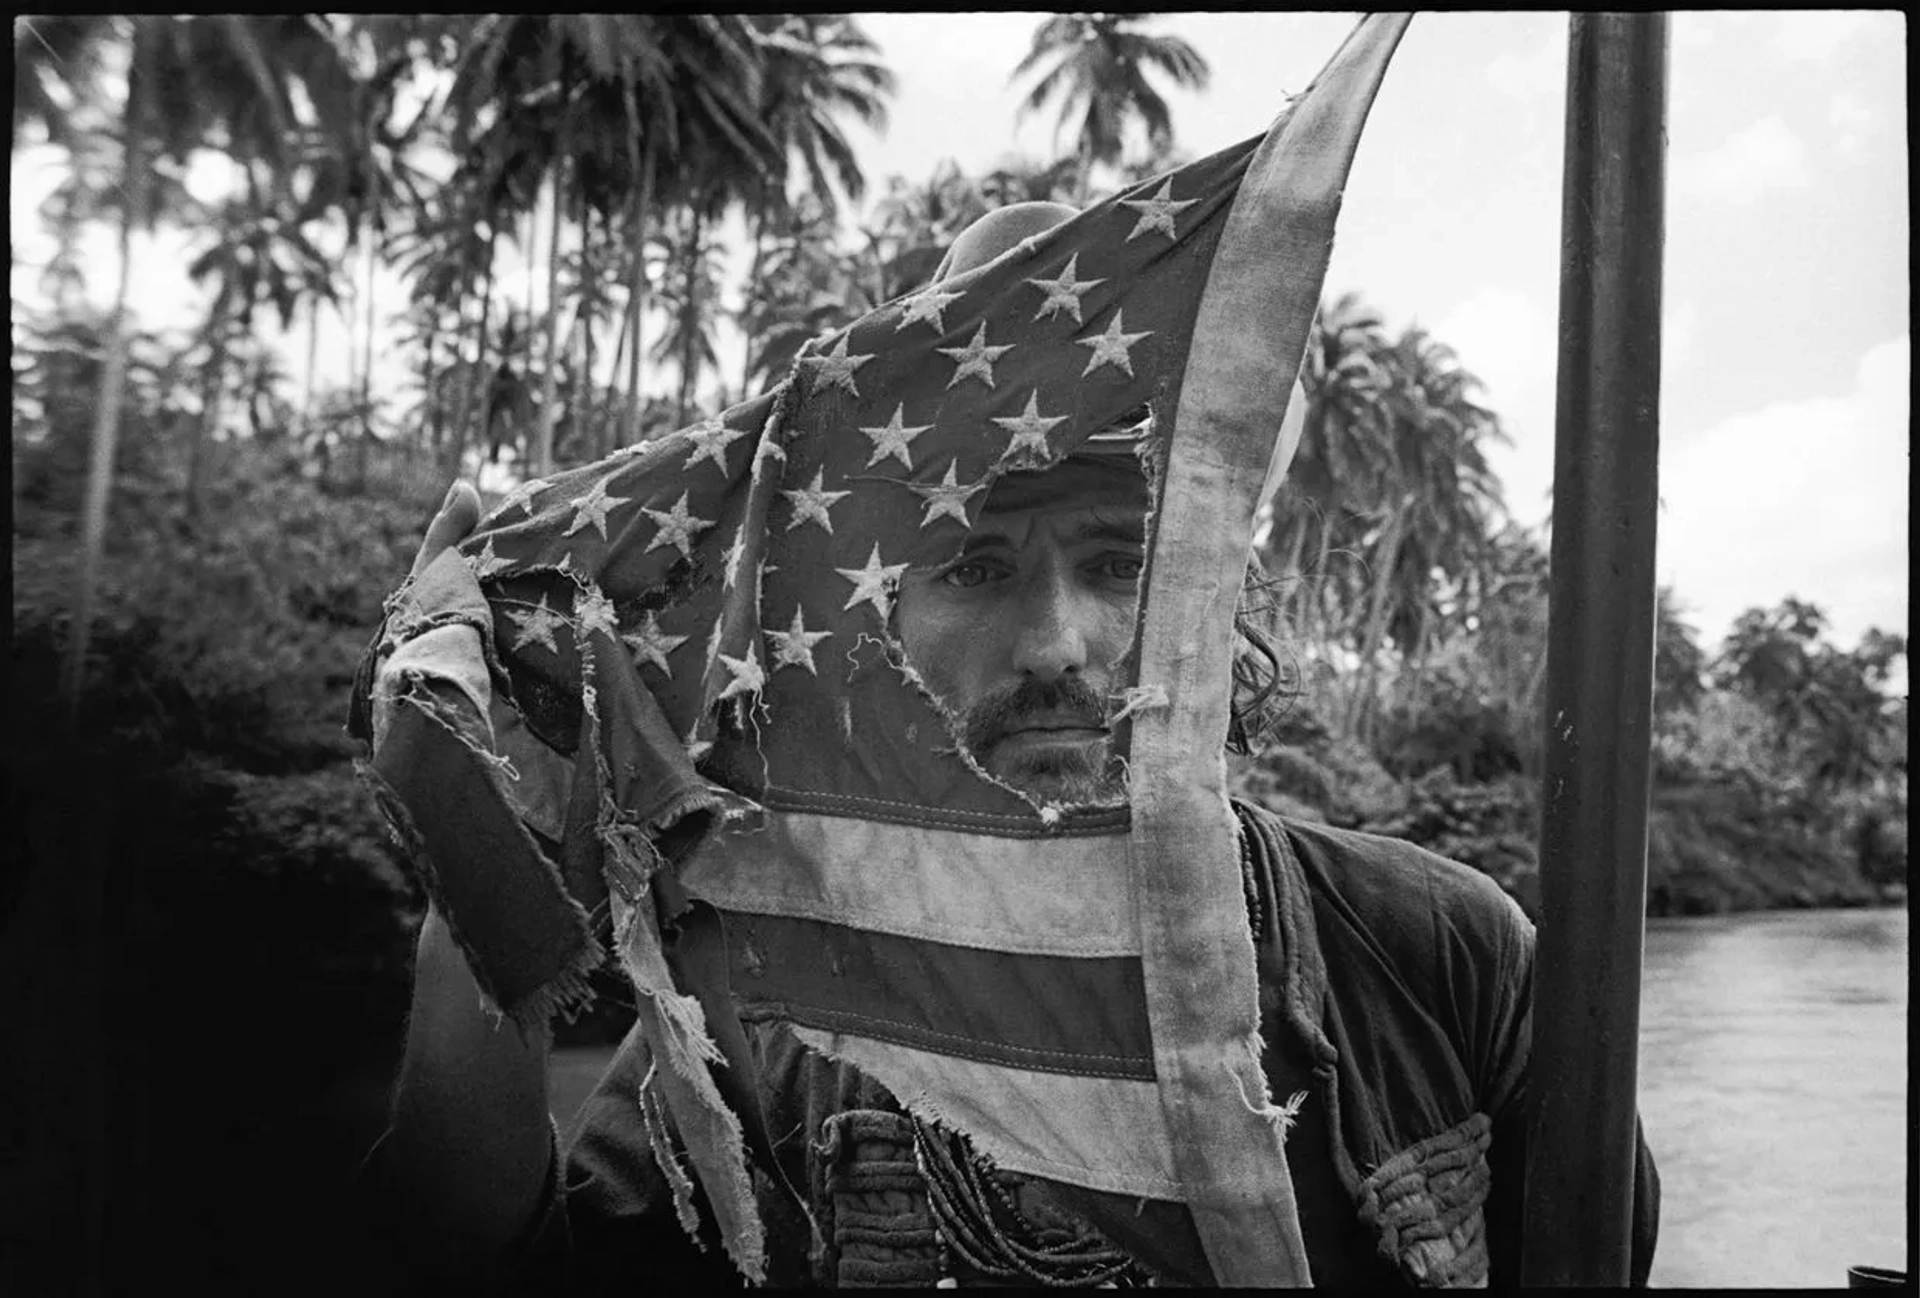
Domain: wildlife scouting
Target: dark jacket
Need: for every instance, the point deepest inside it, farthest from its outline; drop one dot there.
(1395, 992)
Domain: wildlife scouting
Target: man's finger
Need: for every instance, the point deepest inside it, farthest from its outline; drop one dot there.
(459, 515)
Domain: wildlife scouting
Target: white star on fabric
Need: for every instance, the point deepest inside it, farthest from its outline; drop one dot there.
(1029, 427)
(1063, 294)
(592, 508)
(871, 583)
(835, 369)
(794, 646)
(811, 503)
(595, 613)
(711, 440)
(926, 308)
(947, 498)
(1110, 348)
(486, 563)
(1157, 213)
(677, 527)
(891, 438)
(537, 626)
(748, 678)
(976, 358)
(522, 496)
(653, 644)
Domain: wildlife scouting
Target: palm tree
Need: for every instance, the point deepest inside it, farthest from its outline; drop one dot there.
(1099, 73)
(818, 68)
(1338, 470)
(259, 255)
(689, 290)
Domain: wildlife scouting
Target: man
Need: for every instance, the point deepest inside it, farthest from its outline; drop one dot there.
(1394, 998)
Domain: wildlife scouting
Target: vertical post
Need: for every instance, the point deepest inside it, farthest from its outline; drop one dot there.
(1599, 701)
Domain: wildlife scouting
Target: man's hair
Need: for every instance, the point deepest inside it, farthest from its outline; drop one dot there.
(1264, 683)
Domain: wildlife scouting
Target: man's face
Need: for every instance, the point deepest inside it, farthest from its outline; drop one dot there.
(1021, 636)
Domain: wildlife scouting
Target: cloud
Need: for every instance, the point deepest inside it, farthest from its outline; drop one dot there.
(1755, 159)
(1806, 498)
(1813, 36)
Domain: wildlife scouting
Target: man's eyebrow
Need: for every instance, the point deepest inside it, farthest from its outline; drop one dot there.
(1126, 533)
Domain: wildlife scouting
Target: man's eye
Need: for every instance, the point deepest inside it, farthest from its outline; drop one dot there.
(966, 576)
(1124, 567)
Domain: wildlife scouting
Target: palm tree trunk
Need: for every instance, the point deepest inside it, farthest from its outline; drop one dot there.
(365, 450)
(313, 365)
(211, 385)
(636, 298)
(1365, 679)
(456, 448)
(106, 405)
(689, 317)
(482, 371)
(615, 421)
(584, 423)
(758, 240)
(545, 415)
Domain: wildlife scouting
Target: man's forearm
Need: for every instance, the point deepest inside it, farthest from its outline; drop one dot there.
(469, 1142)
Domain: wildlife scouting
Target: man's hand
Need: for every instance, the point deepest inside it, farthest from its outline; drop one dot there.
(459, 515)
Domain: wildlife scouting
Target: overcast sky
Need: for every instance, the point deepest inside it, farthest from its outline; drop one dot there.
(1784, 439)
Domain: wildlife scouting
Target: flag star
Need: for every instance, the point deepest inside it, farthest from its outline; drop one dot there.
(1063, 294)
(1029, 427)
(926, 308)
(891, 438)
(595, 613)
(1110, 348)
(812, 503)
(677, 526)
(976, 358)
(794, 646)
(653, 644)
(748, 678)
(711, 439)
(947, 498)
(537, 626)
(522, 496)
(1157, 213)
(486, 563)
(871, 584)
(592, 508)
(835, 369)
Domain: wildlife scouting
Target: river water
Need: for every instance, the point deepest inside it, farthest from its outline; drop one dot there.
(1773, 1088)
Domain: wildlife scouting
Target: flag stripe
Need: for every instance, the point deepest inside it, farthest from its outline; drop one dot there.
(1047, 1013)
(1102, 1133)
(1062, 896)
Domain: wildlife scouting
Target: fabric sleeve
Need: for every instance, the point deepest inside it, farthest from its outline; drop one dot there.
(618, 1218)
(1505, 1098)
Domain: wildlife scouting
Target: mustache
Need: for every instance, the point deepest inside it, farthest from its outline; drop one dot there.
(998, 714)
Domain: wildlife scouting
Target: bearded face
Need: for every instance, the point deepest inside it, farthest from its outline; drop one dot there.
(1022, 634)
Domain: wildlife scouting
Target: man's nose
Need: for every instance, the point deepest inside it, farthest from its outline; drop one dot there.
(1052, 641)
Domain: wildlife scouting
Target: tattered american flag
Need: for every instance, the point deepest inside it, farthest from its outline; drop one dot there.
(696, 697)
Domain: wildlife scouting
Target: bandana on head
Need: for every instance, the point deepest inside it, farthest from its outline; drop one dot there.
(697, 697)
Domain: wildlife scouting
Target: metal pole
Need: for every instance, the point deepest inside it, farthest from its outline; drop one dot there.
(1599, 702)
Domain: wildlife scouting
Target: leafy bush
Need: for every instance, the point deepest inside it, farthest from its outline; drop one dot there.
(1492, 827)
